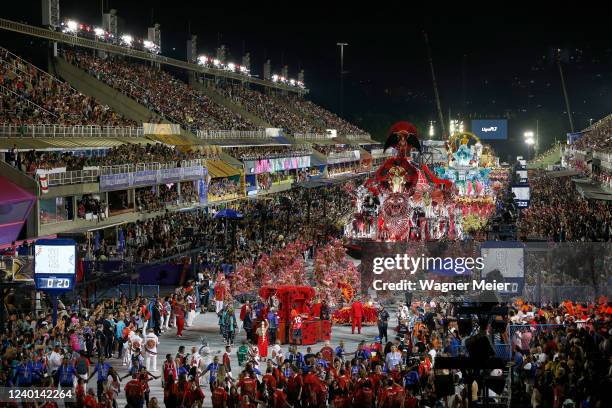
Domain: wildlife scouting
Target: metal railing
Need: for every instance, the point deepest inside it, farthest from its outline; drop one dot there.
(232, 134)
(73, 177)
(311, 136)
(92, 175)
(365, 136)
(49, 130)
(132, 168)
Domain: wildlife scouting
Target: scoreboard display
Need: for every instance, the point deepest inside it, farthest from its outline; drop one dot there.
(55, 264)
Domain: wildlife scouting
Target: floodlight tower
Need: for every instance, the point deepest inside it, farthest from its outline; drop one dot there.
(342, 45)
(51, 17)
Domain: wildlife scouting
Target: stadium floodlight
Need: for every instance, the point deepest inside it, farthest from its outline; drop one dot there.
(99, 32)
(203, 59)
(72, 26)
(216, 62)
(231, 66)
(148, 44)
(127, 39)
(528, 135)
(431, 129)
(530, 141)
(243, 69)
(274, 78)
(292, 82)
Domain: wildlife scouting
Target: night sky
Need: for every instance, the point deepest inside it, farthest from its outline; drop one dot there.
(489, 63)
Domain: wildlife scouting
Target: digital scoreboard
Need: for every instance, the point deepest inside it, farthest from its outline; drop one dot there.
(55, 265)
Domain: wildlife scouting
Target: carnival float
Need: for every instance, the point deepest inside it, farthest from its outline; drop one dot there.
(406, 201)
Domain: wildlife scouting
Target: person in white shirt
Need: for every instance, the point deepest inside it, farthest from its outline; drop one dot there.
(151, 342)
(55, 360)
(277, 351)
(191, 309)
(135, 345)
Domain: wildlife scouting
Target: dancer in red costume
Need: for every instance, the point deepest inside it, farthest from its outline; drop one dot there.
(262, 339)
(357, 315)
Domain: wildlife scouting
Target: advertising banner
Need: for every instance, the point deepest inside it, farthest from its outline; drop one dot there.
(490, 129)
(145, 178)
(170, 175)
(123, 181)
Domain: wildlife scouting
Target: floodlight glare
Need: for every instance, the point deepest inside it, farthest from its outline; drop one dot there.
(72, 25)
(127, 39)
(202, 59)
(99, 32)
(231, 66)
(528, 135)
(530, 141)
(216, 62)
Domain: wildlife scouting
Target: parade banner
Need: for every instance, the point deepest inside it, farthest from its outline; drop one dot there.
(143, 178)
(116, 181)
(275, 165)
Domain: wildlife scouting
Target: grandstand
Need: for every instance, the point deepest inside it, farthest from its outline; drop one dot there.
(103, 141)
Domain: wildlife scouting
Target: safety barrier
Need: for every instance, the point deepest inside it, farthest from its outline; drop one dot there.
(50, 130)
(231, 134)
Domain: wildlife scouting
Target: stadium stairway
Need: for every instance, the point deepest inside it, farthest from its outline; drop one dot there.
(234, 107)
(89, 85)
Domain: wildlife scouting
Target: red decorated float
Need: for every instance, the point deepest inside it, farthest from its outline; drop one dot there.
(298, 300)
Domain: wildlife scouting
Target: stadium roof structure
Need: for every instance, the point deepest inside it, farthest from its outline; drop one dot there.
(116, 49)
(219, 169)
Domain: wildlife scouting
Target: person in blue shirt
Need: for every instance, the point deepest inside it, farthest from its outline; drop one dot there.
(411, 380)
(213, 369)
(102, 368)
(340, 350)
(38, 371)
(66, 374)
(272, 324)
(23, 373)
(295, 357)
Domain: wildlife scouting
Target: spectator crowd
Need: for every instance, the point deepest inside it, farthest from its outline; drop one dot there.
(158, 90)
(29, 95)
(558, 212)
(267, 152)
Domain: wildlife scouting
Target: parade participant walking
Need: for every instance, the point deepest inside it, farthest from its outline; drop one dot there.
(101, 368)
(272, 324)
(219, 396)
(191, 306)
(219, 293)
(228, 324)
(356, 315)
(262, 339)
(382, 321)
(213, 370)
(179, 312)
(168, 369)
(151, 342)
(67, 375)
